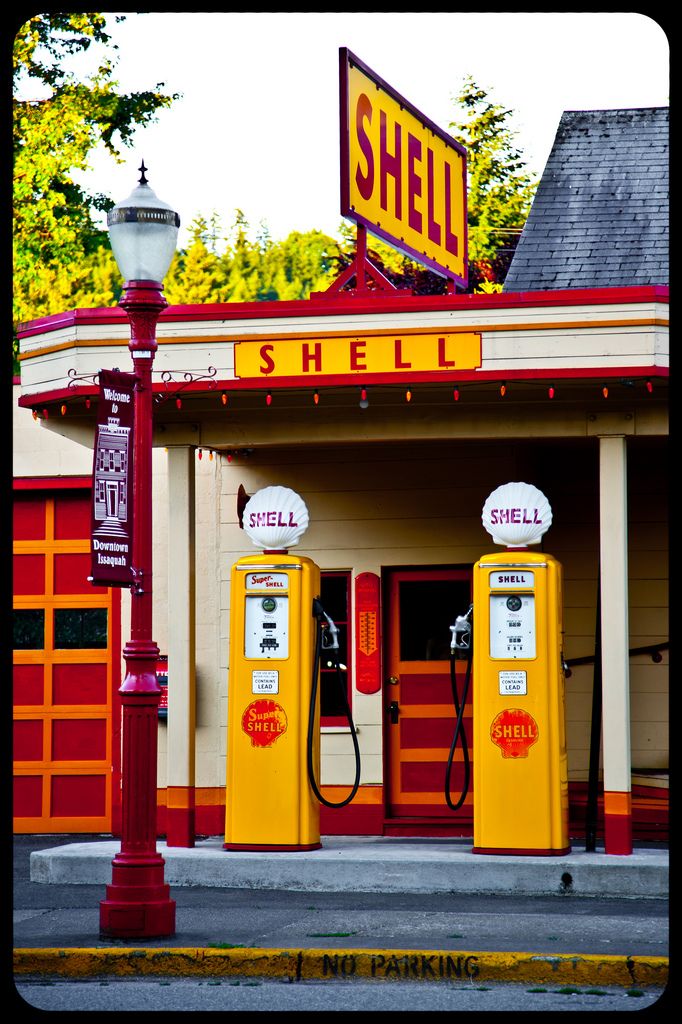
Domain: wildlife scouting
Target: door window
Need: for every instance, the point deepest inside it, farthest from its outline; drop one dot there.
(427, 610)
(335, 596)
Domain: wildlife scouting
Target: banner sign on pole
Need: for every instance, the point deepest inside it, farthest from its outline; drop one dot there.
(111, 531)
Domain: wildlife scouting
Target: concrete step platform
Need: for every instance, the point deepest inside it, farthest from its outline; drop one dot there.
(375, 864)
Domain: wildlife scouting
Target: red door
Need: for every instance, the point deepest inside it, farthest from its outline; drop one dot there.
(418, 703)
(66, 672)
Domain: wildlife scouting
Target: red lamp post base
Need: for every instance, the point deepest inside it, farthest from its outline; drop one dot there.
(137, 903)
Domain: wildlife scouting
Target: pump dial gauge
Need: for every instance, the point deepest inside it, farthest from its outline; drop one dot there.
(268, 604)
(514, 603)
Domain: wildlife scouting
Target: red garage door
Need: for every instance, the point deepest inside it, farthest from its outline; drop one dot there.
(66, 671)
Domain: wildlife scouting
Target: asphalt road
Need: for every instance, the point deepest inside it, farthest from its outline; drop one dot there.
(250, 994)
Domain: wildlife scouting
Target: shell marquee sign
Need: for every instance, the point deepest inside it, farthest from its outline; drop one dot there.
(402, 177)
(329, 359)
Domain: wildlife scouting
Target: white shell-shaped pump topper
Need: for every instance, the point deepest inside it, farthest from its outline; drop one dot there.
(275, 518)
(516, 515)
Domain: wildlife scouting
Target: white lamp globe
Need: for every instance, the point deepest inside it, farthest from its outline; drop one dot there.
(143, 231)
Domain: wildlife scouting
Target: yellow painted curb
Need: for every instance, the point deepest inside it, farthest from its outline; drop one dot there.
(303, 964)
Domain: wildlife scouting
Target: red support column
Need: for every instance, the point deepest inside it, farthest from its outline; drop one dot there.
(138, 903)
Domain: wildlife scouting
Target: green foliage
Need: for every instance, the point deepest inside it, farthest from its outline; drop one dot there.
(500, 188)
(59, 118)
(239, 269)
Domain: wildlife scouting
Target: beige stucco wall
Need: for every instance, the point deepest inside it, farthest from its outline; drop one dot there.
(209, 766)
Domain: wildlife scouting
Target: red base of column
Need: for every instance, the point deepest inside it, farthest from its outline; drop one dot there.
(618, 834)
(137, 904)
(180, 826)
(617, 822)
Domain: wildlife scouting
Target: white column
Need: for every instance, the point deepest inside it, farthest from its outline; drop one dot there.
(181, 646)
(613, 541)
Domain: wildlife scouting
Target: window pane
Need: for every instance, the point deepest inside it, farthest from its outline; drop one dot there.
(427, 610)
(80, 627)
(29, 629)
(334, 596)
(331, 694)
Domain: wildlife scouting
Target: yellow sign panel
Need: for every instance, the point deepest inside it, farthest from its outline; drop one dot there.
(401, 176)
(340, 357)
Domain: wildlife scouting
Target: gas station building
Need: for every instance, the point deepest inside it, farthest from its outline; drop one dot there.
(393, 416)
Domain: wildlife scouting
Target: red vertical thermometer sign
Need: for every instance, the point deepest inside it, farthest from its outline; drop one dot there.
(367, 633)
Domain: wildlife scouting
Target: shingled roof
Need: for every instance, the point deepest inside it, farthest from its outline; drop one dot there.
(600, 213)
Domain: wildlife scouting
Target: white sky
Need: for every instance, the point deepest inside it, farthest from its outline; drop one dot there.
(258, 125)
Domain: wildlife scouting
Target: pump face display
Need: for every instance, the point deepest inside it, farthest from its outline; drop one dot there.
(512, 625)
(266, 632)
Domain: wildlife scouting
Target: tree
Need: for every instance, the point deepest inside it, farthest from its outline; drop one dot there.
(196, 274)
(249, 270)
(302, 263)
(58, 120)
(500, 187)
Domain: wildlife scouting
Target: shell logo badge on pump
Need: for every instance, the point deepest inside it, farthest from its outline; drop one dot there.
(264, 721)
(514, 731)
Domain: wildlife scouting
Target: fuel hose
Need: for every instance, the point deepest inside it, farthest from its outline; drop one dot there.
(459, 732)
(319, 613)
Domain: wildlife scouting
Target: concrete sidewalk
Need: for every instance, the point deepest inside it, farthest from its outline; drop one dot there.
(375, 864)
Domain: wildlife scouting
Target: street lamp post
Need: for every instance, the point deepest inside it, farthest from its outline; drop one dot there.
(143, 232)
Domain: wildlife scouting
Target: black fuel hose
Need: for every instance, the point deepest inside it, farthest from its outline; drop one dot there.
(459, 732)
(311, 724)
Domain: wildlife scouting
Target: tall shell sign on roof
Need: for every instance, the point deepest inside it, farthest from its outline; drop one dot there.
(275, 518)
(516, 515)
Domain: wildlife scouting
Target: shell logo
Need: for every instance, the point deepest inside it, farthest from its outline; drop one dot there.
(264, 721)
(514, 731)
(516, 514)
(275, 518)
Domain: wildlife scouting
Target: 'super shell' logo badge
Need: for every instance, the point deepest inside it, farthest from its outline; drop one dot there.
(514, 731)
(264, 721)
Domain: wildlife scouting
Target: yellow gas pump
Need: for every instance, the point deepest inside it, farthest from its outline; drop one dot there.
(269, 801)
(273, 734)
(520, 764)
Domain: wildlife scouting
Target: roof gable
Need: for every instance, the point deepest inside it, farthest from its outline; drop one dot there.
(601, 211)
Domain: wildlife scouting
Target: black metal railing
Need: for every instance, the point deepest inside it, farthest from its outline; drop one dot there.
(653, 649)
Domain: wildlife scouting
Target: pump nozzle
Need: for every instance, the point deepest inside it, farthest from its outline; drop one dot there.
(460, 641)
(330, 634)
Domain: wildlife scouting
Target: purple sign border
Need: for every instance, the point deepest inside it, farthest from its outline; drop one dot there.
(112, 511)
